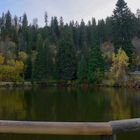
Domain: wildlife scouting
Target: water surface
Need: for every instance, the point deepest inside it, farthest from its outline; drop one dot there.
(69, 104)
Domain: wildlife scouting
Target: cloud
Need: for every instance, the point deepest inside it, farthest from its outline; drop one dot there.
(68, 9)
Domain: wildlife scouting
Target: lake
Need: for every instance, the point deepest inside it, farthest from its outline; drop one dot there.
(69, 104)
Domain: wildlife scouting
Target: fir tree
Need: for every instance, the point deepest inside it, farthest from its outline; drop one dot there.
(43, 66)
(29, 68)
(101, 31)
(2, 26)
(123, 28)
(48, 62)
(82, 69)
(95, 66)
(38, 66)
(66, 57)
(24, 21)
(8, 22)
(8, 25)
(92, 34)
(82, 35)
(76, 35)
(55, 29)
(23, 45)
(61, 22)
(108, 29)
(46, 19)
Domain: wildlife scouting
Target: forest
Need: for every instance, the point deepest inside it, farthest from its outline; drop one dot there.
(97, 52)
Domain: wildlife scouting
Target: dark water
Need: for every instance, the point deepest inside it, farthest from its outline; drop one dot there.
(74, 105)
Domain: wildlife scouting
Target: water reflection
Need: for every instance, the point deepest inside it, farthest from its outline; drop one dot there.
(12, 105)
(68, 104)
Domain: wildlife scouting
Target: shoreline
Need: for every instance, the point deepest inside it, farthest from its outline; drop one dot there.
(60, 84)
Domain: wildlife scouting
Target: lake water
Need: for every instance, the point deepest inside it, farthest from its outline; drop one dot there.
(69, 104)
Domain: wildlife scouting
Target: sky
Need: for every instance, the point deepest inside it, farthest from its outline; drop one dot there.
(68, 9)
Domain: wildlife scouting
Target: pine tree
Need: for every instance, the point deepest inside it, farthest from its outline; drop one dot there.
(92, 34)
(46, 19)
(38, 66)
(82, 35)
(29, 65)
(55, 29)
(95, 66)
(101, 31)
(123, 28)
(24, 21)
(108, 29)
(82, 69)
(8, 22)
(23, 44)
(16, 21)
(8, 25)
(2, 26)
(66, 57)
(15, 30)
(29, 68)
(43, 66)
(76, 35)
(61, 22)
(137, 27)
(48, 62)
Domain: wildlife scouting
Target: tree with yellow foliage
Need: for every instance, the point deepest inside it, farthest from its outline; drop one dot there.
(119, 67)
(23, 56)
(19, 67)
(11, 71)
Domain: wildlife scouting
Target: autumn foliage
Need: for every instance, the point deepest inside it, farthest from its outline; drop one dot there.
(11, 71)
(118, 71)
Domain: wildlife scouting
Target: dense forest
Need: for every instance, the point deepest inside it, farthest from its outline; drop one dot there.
(87, 53)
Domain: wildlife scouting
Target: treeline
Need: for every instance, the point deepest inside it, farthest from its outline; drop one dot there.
(64, 51)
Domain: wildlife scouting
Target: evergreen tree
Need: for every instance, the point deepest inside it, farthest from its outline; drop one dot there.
(15, 30)
(89, 34)
(29, 65)
(46, 19)
(29, 68)
(123, 28)
(16, 21)
(43, 66)
(108, 29)
(137, 27)
(24, 21)
(55, 29)
(82, 69)
(48, 62)
(8, 22)
(66, 57)
(23, 44)
(8, 25)
(2, 26)
(101, 31)
(92, 33)
(95, 66)
(82, 35)
(76, 35)
(38, 66)
(61, 22)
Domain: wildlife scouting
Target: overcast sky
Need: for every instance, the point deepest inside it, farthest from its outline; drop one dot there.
(68, 9)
